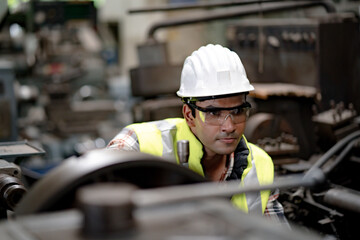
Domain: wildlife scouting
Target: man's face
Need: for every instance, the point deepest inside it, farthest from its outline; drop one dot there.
(219, 139)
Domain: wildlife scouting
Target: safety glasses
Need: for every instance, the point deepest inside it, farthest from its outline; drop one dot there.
(217, 116)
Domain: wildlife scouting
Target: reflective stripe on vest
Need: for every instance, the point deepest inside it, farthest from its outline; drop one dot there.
(156, 138)
(160, 137)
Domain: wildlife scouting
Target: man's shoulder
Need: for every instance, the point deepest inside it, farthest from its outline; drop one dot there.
(257, 148)
(259, 152)
(158, 125)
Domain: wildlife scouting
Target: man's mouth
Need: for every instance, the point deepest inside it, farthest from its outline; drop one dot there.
(228, 140)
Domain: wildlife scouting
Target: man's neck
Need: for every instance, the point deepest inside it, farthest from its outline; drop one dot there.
(214, 166)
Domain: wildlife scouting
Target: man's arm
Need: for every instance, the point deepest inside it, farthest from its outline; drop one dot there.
(126, 140)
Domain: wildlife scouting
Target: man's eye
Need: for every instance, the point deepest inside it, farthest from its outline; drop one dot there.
(237, 111)
(214, 113)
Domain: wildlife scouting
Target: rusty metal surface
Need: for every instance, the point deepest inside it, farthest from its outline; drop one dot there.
(266, 90)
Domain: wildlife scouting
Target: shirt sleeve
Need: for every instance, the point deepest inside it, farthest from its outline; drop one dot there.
(274, 211)
(126, 140)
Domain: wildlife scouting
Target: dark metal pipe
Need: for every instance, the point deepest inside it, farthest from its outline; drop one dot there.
(151, 197)
(339, 145)
(342, 198)
(268, 8)
(175, 7)
(185, 6)
(341, 157)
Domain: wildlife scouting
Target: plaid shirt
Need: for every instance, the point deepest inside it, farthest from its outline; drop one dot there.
(127, 140)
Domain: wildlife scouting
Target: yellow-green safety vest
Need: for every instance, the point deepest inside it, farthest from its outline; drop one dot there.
(160, 139)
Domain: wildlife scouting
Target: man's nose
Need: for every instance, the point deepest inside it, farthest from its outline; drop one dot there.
(228, 124)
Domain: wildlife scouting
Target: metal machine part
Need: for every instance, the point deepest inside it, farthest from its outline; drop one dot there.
(11, 188)
(273, 134)
(151, 81)
(280, 52)
(152, 54)
(331, 208)
(107, 208)
(157, 109)
(343, 198)
(156, 81)
(55, 13)
(335, 124)
(183, 151)
(245, 11)
(142, 170)
(296, 51)
(112, 210)
(283, 107)
(153, 84)
(341, 145)
(178, 194)
(56, 191)
(4, 12)
(98, 184)
(10, 151)
(8, 111)
(184, 6)
(205, 219)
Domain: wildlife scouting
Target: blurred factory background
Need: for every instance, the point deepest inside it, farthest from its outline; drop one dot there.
(73, 73)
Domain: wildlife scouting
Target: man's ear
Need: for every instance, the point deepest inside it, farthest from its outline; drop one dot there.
(186, 110)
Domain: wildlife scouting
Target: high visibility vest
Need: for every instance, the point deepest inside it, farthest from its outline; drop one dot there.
(160, 138)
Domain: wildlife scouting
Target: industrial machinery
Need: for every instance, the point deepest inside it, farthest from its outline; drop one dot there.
(12, 185)
(158, 98)
(288, 59)
(332, 208)
(300, 67)
(160, 78)
(95, 186)
(114, 194)
(53, 88)
(90, 197)
(296, 64)
(207, 219)
(8, 111)
(317, 51)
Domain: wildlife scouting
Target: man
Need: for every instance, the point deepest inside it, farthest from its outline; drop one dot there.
(213, 88)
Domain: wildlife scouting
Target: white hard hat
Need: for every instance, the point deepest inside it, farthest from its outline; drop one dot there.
(213, 70)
